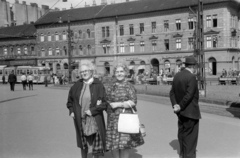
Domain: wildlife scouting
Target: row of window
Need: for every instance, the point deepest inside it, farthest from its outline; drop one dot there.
(19, 50)
(65, 51)
(57, 36)
(212, 42)
(211, 21)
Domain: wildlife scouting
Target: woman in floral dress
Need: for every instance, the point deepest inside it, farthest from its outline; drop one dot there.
(119, 95)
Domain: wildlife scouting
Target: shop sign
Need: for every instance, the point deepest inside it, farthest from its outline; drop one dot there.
(106, 60)
(134, 59)
(174, 57)
(23, 62)
(4, 63)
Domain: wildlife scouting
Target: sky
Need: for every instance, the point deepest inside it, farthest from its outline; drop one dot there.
(61, 4)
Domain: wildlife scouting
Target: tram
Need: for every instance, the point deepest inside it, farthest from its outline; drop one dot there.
(38, 72)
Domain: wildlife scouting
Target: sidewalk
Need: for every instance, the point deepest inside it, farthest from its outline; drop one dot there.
(221, 95)
(161, 95)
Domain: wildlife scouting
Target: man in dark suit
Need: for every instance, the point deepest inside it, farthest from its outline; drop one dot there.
(12, 79)
(184, 97)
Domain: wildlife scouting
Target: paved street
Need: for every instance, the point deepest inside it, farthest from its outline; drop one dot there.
(35, 124)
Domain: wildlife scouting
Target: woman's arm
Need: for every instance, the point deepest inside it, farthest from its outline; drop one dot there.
(103, 106)
(70, 102)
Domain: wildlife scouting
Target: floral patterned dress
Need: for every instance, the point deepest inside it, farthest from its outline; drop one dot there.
(118, 92)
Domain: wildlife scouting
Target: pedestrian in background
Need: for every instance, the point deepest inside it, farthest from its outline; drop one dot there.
(184, 97)
(12, 79)
(24, 81)
(46, 80)
(3, 79)
(120, 94)
(82, 104)
(30, 81)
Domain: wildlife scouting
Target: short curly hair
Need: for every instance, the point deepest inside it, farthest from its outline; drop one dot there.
(89, 64)
(122, 65)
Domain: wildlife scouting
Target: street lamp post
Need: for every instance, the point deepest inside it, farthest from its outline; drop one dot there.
(69, 52)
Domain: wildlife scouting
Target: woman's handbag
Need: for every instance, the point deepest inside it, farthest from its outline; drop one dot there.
(128, 123)
(89, 126)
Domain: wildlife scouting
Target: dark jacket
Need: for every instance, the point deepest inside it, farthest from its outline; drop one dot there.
(12, 78)
(97, 91)
(185, 93)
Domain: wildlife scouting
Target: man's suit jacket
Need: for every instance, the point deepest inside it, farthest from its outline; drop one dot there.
(185, 93)
(12, 78)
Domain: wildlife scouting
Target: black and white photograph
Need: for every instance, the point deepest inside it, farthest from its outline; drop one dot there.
(119, 78)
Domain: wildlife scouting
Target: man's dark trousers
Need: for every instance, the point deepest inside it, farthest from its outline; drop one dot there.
(12, 85)
(188, 136)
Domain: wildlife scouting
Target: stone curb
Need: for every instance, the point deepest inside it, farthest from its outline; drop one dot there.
(224, 103)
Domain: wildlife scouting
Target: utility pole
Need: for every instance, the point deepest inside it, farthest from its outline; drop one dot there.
(69, 51)
(199, 49)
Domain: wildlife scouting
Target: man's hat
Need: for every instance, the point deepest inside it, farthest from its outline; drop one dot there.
(190, 61)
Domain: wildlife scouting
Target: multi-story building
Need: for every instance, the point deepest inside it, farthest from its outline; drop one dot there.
(18, 45)
(149, 35)
(52, 33)
(19, 14)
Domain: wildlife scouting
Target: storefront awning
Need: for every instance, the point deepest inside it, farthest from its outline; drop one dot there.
(141, 67)
(130, 67)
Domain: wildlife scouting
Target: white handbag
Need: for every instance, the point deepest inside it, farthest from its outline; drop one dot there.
(128, 123)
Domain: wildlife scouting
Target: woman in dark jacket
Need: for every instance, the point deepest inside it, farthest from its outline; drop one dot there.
(86, 100)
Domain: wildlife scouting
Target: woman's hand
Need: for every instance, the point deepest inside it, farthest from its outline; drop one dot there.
(88, 112)
(116, 105)
(72, 115)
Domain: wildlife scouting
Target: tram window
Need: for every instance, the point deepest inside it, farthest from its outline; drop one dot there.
(6, 72)
(0, 72)
(35, 72)
(39, 72)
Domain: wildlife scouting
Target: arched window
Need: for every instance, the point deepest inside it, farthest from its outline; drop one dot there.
(5, 51)
(50, 51)
(42, 37)
(65, 65)
(132, 63)
(19, 50)
(43, 52)
(65, 50)
(88, 33)
(64, 35)
(142, 63)
(49, 37)
(25, 50)
(58, 66)
(80, 33)
(56, 36)
(32, 50)
(76, 35)
(89, 48)
(212, 66)
(57, 51)
(107, 68)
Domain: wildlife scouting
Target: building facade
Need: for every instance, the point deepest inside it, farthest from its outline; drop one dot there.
(148, 35)
(18, 46)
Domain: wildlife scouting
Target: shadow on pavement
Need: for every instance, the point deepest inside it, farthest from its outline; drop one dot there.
(3, 101)
(234, 109)
(175, 145)
(133, 154)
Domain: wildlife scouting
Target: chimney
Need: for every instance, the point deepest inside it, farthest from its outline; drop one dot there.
(94, 3)
(45, 7)
(16, 1)
(103, 2)
(34, 4)
(24, 2)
